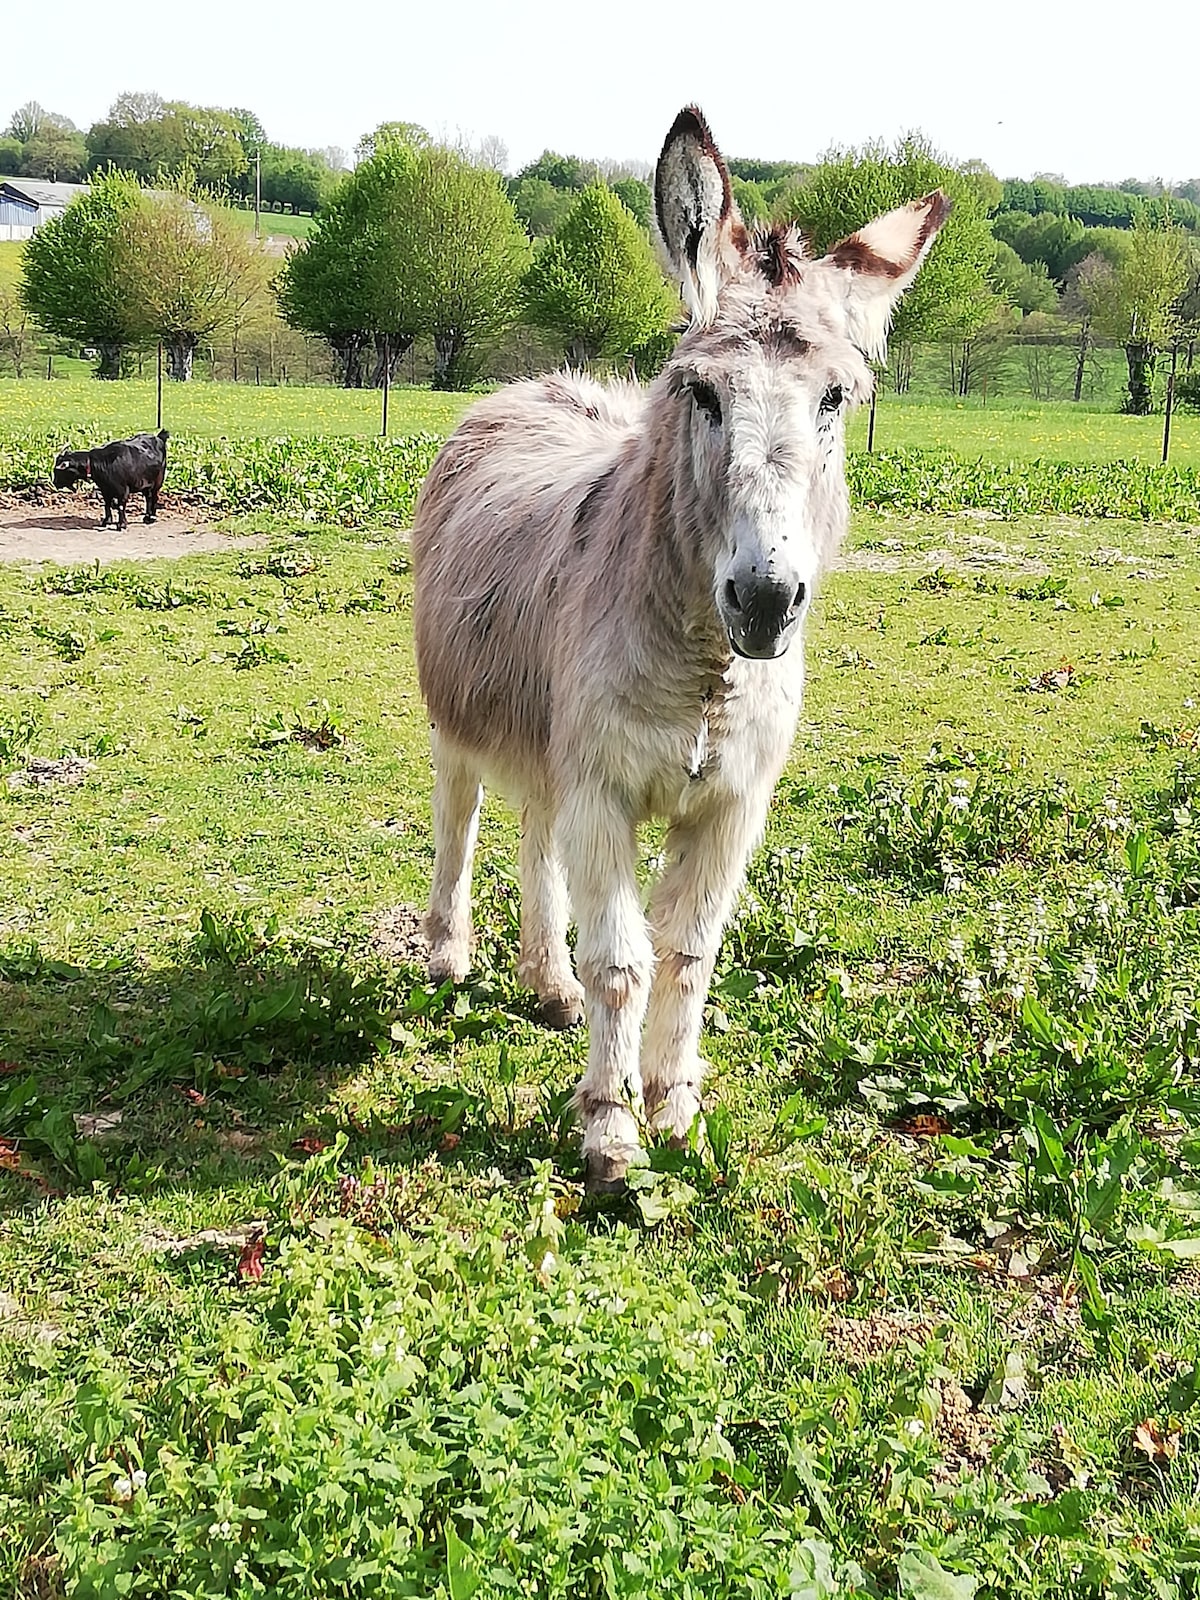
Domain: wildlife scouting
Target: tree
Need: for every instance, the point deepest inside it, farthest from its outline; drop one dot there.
(1028, 287)
(951, 297)
(596, 285)
(1133, 303)
(560, 172)
(410, 134)
(457, 248)
(417, 242)
(11, 152)
(154, 139)
(26, 120)
(69, 271)
(56, 152)
(187, 270)
(540, 206)
(635, 196)
(328, 286)
(251, 133)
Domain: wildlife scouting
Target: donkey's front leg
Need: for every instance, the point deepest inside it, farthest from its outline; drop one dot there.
(706, 856)
(613, 957)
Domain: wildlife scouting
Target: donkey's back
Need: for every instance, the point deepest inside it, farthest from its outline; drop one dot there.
(494, 552)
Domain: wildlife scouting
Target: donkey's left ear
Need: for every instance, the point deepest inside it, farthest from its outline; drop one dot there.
(698, 219)
(878, 263)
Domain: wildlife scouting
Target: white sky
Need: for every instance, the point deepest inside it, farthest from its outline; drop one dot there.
(1093, 91)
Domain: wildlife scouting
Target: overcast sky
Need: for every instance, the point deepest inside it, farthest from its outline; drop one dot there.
(1094, 92)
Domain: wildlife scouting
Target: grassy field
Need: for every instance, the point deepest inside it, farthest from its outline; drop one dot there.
(1010, 430)
(297, 1290)
(279, 223)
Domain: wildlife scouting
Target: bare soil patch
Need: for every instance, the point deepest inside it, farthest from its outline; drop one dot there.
(399, 936)
(66, 529)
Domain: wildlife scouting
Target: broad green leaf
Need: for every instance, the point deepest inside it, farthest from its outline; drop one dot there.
(923, 1577)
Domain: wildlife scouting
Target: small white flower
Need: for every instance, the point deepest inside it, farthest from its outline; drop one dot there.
(1017, 990)
(959, 802)
(961, 783)
(970, 990)
(122, 1488)
(378, 1346)
(914, 1427)
(139, 1479)
(956, 949)
(954, 884)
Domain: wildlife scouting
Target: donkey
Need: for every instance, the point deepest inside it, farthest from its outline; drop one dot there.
(611, 588)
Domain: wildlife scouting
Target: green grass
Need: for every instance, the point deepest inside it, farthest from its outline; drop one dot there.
(1007, 431)
(281, 224)
(213, 410)
(451, 1376)
(1019, 430)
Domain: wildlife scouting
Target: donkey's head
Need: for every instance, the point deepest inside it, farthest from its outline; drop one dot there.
(775, 355)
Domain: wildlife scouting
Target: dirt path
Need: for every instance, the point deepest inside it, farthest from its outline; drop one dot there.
(70, 534)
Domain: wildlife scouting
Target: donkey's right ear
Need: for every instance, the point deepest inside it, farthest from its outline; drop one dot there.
(698, 220)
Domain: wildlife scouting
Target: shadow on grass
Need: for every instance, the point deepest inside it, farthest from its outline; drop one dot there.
(210, 1069)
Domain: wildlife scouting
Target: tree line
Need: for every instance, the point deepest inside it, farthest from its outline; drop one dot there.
(426, 243)
(157, 139)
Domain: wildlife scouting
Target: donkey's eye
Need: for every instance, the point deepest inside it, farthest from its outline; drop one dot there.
(709, 401)
(832, 398)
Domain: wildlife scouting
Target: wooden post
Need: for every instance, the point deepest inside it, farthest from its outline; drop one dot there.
(387, 374)
(49, 366)
(257, 189)
(160, 385)
(257, 373)
(871, 420)
(1170, 405)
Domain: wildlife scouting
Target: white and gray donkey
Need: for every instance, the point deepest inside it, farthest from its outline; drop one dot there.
(611, 587)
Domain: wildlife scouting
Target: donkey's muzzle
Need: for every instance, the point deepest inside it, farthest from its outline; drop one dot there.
(761, 615)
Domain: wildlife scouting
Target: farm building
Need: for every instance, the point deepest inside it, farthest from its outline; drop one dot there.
(25, 203)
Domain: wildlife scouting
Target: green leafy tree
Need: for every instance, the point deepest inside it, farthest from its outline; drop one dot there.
(155, 139)
(55, 152)
(337, 284)
(635, 196)
(70, 281)
(1028, 287)
(417, 242)
(540, 206)
(457, 247)
(186, 271)
(560, 172)
(1134, 303)
(752, 199)
(596, 285)
(951, 298)
(409, 134)
(26, 120)
(11, 151)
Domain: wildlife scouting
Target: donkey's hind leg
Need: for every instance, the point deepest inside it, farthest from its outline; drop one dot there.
(545, 964)
(457, 796)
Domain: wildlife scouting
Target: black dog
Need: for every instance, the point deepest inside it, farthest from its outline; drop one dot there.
(119, 469)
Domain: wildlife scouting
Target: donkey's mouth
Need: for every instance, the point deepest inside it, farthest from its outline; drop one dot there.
(765, 644)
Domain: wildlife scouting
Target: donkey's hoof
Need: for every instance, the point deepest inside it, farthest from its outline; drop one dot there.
(561, 1010)
(446, 963)
(604, 1174)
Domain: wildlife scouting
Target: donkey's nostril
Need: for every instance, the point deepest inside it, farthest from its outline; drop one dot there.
(801, 592)
(731, 595)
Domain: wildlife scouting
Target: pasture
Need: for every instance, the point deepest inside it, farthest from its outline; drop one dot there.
(1005, 429)
(298, 1291)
